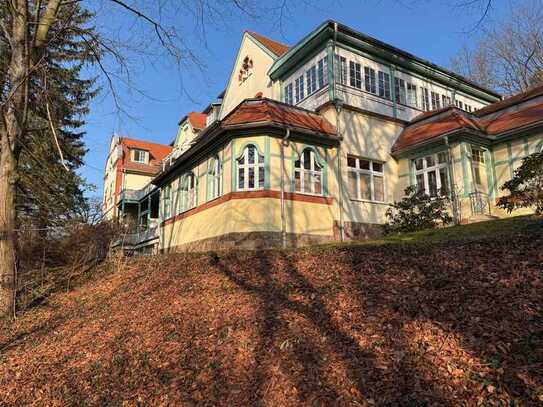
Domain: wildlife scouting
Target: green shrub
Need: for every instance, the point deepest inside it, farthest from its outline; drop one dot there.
(417, 211)
(526, 186)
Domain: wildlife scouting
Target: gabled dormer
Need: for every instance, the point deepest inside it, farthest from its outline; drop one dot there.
(188, 128)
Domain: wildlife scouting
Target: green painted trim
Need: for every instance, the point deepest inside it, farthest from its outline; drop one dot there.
(489, 173)
(325, 191)
(392, 79)
(331, 72)
(492, 171)
(267, 167)
(245, 145)
(232, 166)
(526, 147)
(465, 169)
(510, 158)
(539, 147)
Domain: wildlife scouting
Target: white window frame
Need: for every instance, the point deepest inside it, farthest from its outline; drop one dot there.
(215, 178)
(187, 196)
(139, 152)
(425, 99)
(341, 69)
(436, 102)
(425, 170)
(288, 94)
(322, 72)
(311, 78)
(167, 201)
(384, 85)
(358, 171)
(412, 99)
(370, 84)
(355, 75)
(400, 92)
(246, 167)
(299, 89)
(315, 172)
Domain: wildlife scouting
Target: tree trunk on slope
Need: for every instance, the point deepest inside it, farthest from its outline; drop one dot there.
(12, 132)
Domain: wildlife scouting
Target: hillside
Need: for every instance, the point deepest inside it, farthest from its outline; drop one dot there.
(443, 320)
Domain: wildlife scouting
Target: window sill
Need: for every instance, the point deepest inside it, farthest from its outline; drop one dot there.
(370, 201)
(308, 193)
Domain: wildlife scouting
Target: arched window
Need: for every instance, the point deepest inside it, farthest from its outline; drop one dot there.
(251, 171)
(308, 173)
(187, 192)
(215, 178)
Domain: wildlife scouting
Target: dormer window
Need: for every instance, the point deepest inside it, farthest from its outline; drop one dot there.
(139, 156)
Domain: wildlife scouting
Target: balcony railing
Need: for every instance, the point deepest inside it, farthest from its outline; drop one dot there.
(137, 194)
(144, 234)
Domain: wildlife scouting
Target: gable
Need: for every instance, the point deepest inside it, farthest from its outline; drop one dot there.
(249, 74)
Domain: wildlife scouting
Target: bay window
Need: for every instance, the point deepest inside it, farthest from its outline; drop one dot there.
(341, 69)
(384, 85)
(355, 75)
(299, 89)
(311, 78)
(288, 94)
(369, 80)
(322, 72)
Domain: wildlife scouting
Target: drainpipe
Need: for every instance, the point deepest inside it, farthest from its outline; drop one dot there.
(456, 214)
(339, 105)
(284, 143)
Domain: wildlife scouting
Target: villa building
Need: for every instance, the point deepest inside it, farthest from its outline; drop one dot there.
(312, 143)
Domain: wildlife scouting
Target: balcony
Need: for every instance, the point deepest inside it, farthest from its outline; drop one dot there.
(136, 195)
(144, 236)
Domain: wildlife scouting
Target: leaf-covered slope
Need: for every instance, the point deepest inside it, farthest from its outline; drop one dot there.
(441, 323)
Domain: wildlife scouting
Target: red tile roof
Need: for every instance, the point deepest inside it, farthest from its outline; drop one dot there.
(513, 120)
(262, 111)
(428, 126)
(197, 120)
(515, 99)
(276, 47)
(156, 153)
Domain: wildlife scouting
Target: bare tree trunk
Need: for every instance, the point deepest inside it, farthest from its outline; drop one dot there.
(7, 228)
(13, 112)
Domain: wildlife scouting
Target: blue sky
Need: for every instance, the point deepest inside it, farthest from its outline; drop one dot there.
(433, 30)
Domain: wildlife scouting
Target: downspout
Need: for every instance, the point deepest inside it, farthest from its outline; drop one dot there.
(284, 143)
(454, 200)
(339, 105)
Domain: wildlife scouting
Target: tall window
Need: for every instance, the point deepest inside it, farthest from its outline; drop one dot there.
(187, 193)
(288, 94)
(308, 173)
(215, 178)
(140, 156)
(311, 78)
(477, 158)
(365, 179)
(299, 89)
(355, 75)
(251, 171)
(341, 69)
(435, 101)
(425, 100)
(384, 85)
(167, 201)
(399, 88)
(369, 80)
(432, 175)
(322, 71)
(412, 95)
(446, 100)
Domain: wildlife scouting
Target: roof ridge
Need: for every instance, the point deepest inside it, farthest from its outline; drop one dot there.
(511, 100)
(274, 46)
